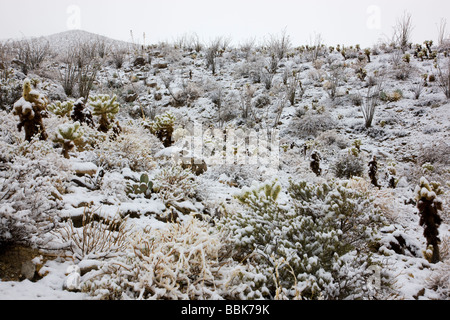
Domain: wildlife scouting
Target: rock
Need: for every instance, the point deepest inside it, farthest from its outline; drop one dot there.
(139, 61)
(84, 168)
(86, 266)
(72, 282)
(161, 65)
(197, 166)
(28, 270)
(16, 262)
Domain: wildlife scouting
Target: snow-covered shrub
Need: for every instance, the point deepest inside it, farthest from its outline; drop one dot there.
(319, 248)
(439, 281)
(443, 76)
(31, 184)
(10, 92)
(134, 148)
(312, 124)
(106, 108)
(174, 184)
(348, 165)
(180, 262)
(95, 239)
(68, 134)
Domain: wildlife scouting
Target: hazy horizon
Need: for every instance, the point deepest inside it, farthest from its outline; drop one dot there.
(338, 22)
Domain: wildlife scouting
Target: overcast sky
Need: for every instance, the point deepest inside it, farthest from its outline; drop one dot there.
(339, 21)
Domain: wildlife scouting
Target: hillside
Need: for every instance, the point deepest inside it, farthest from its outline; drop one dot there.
(193, 171)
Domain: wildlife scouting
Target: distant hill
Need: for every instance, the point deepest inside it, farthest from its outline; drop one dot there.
(63, 40)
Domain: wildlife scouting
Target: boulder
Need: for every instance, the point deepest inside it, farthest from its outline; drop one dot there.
(139, 62)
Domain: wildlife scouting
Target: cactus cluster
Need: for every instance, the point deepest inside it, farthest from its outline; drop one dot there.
(163, 127)
(62, 109)
(82, 114)
(106, 108)
(29, 108)
(68, 134)
(144, 187)
(429, 205)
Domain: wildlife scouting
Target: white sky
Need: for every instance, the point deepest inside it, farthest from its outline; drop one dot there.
(339, 22)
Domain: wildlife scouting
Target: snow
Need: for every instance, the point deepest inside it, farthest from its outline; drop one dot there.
(49, 287)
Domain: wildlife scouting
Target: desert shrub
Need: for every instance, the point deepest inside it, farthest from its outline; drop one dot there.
(348, 165)
(180, 262)
(312, 124)
(437, 152)
(134, 149)
(174, 184)
(30, 54)
(439, 280)
(316, 249)
(96, 238)
(31, 184)
(443, 76)
(10, 92)
(394, 96)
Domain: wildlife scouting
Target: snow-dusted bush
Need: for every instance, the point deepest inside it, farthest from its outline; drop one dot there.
(31, 185)
(174, 184)
(348, 165)
(10, 92)
(318, 248)
(133, 148)
(94, 239)
(439, 281)
(312, 124)
(180, 262)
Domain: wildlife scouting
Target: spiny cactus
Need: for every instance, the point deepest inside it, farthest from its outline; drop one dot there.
(315, 163)
(373, 169)
(82, 114)
(106, 108)
(68, 134)
(29, 109)
(429, 204)
(62, 109)
(163, 127)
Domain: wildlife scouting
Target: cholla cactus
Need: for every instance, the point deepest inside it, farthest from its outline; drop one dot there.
(106, 108)
(163, 127)
(429, 204)
(81, 114)
(62, 109)
(373, 169)
(68, 134)
(315, 163)
(29, 109)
